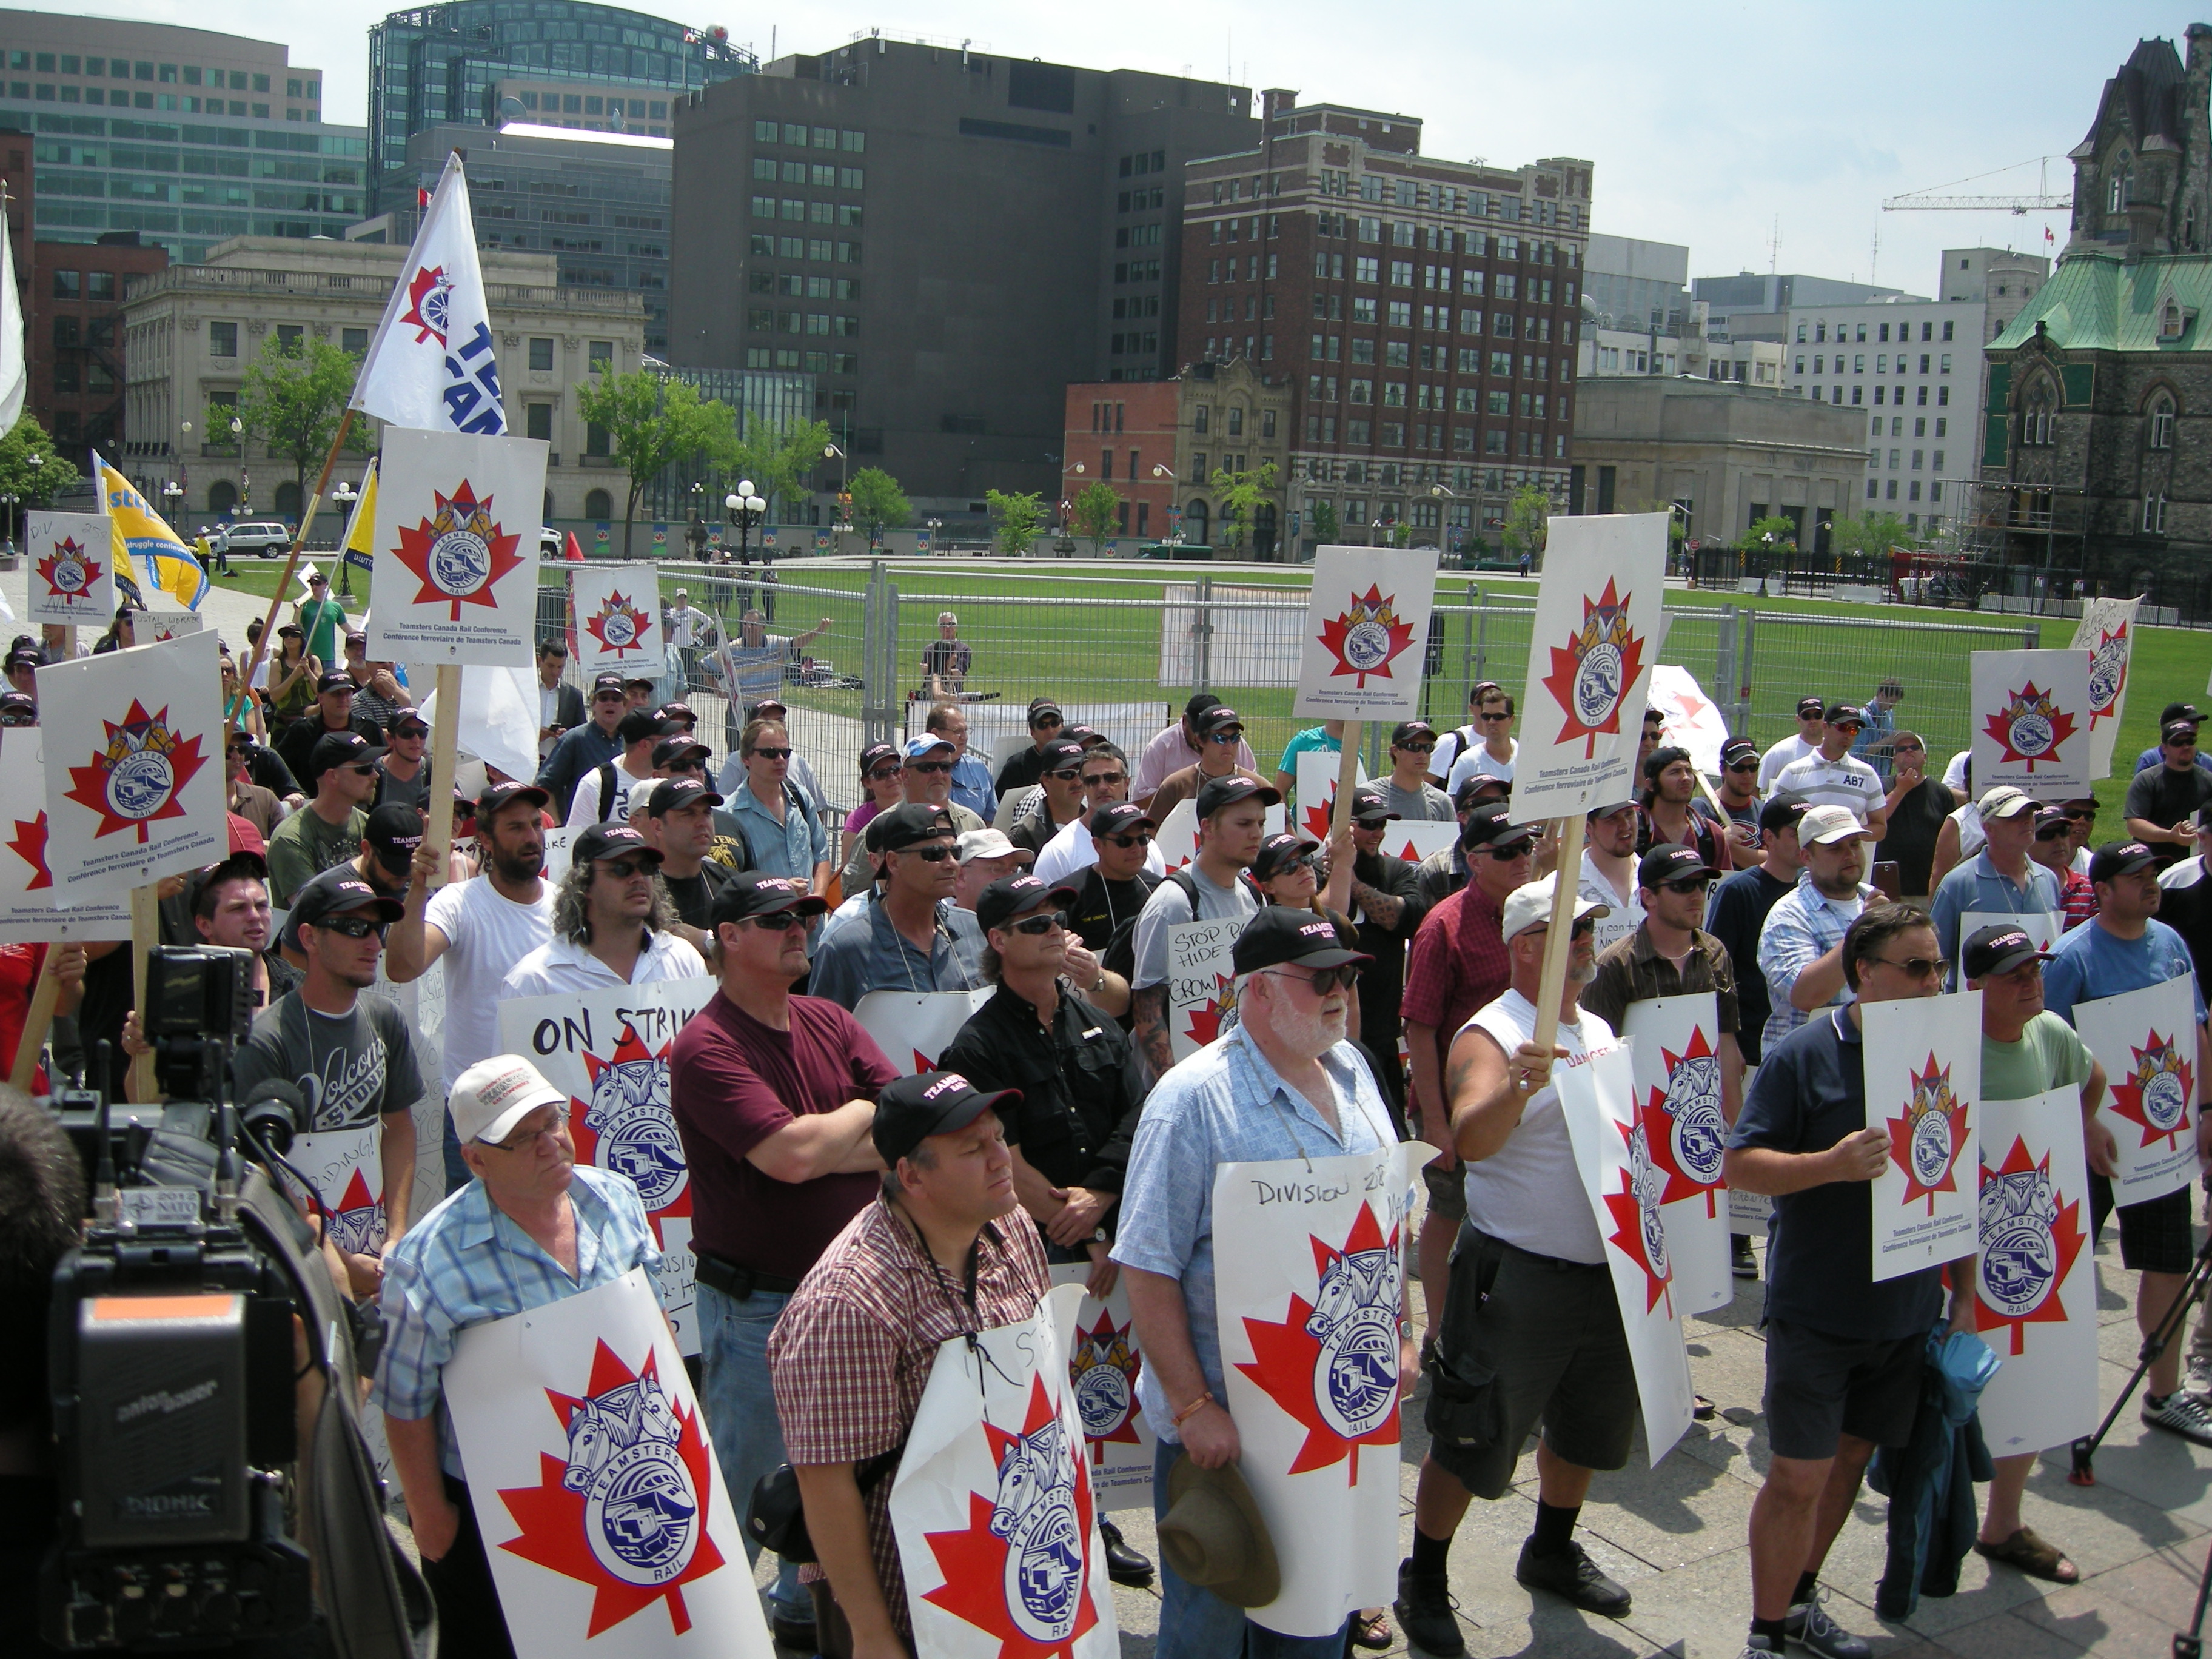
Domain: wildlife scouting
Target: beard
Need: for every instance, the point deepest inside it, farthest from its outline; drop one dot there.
(519, 866)
(1315, 1033)
(1581, 973)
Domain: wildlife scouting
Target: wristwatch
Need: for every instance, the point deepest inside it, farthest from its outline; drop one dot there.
(1100, 983)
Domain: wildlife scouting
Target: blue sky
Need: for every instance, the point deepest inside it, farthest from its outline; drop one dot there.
(1706, 123)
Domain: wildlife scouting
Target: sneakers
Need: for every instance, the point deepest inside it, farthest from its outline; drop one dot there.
(1426, 1612)
(1807, 1622)
(1741, 1262)
(2180, 1413)
(1755, 1646)
(1572, 1574)
(2197, 1379)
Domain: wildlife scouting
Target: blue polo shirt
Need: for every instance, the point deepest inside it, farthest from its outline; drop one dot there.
(2092, 962)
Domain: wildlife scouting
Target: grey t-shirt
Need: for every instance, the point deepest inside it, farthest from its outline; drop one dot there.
(1170, 905)
(352, 1069)
(1428, 803)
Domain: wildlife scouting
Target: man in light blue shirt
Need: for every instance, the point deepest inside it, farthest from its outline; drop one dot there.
(1800, 943)
(911, 937)
(1284, 1085)
(2001, 879)
(971, 779)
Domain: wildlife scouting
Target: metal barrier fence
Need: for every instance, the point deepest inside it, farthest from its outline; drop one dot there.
(1123, 653)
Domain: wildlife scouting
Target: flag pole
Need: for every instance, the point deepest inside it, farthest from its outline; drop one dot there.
(444, 746)
(145, 934)
(235, 714)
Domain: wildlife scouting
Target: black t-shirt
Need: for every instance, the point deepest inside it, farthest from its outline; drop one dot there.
(2165, 797)
(1914, 823)
(1810, 1093)
(1023, 768)
(352, 1069)
(2186, 907)
(1101, 905)
(1735, 917)
(1082, 1089)
(694, 895)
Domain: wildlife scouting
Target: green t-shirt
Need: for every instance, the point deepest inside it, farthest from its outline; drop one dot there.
(304, 847)
(2048, 1055)
(321, 620)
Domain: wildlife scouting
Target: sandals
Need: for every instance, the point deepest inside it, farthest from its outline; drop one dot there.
(2027, 1551)
(1371, 1630)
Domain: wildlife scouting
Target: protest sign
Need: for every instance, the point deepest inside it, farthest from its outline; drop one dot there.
(1104, 1363)
(617, 609)
(1415, 839)
(27, 912)
(1922, 1059)
(2145, 1041)
(1694, 721)
(1316, 800)
(72, 564)
(913, 1027)
(456, 548)
(1367, 627)
(2029, 720)
(346, 1166)
(2107, 632)
(1676, 1050)
(1202, 982)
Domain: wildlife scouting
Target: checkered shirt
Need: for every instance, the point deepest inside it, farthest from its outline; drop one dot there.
(853, 1350)
(1801, 927)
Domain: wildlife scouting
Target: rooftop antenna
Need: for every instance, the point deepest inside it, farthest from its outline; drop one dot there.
(1774, 247)
(1874, 258)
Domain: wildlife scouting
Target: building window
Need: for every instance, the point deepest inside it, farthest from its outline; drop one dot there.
(222, 339)
(597, 441)
(2162, 424)
(600, 355)
(537, 421)
(2153, 519)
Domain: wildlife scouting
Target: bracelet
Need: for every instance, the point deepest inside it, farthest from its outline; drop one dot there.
(1204, 1399)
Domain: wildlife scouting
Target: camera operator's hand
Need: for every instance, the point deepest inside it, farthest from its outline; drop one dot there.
(134, 1036)
(436, 1522)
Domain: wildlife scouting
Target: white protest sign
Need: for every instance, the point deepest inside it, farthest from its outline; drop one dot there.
(1317, 789)
(2044, 926)
(913, 1027)
(607, 1050)
(72, 567)
(2035, 1283)
(27, 913)
(1923, 1062)
(1677, 1071)
(347, 1168)
(1176, 841)
(1596, 630)
(1366, 635)
(1202, 982)
(1103, 1366)
(1415, 839)
(456, 548)
(557, 852)
(2107, 632)
(1749, 1213)
(2029, 720)
(134, 783)
(170, 625)
(1597, 1095)
(2145, 1041)
(993, 1506)
(595, 1489)
(1308, 1289)
(617, 609)
(1693, 720)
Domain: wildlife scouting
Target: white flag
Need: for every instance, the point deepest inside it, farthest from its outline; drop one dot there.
(432, 363)
(14, 372)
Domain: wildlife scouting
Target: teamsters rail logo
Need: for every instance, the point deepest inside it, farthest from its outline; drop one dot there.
(618, 625)
(460, 552)
(627, 1127)
(1685, 1131)
(139, 778)
(1102, 1368)
(2030, 728)
(1594, 673)
(2030, 1237)
(1926, 1139)
(625, 1511)
(2108, 672)
(1332, 1363)
(2157, 1091)
(1639, 1232)
(356, 1225)
(1367, 638)
(69, 572)
(1021, 1569)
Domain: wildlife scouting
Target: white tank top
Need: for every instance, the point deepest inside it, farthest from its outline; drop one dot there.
(1529, 1192)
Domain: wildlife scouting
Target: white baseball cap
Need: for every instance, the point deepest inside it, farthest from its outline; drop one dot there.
(975, 844)
(1824, 826)
(1530, 906)
(2003, 802)
(493, 1095)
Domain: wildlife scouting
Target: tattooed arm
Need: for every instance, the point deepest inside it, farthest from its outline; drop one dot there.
(1151, 1005)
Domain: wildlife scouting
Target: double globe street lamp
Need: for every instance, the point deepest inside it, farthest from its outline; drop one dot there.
(745, 511)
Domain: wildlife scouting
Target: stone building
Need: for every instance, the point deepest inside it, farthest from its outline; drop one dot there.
(2097, 450)
(189, 331)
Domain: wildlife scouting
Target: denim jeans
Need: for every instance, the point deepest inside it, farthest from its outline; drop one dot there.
(740, 1407)
(1196, 1624)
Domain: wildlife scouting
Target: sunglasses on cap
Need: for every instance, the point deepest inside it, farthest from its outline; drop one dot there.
(1045, 922)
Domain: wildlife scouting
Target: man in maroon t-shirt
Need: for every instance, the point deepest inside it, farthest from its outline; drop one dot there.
(1458, 963)
(775, 1097)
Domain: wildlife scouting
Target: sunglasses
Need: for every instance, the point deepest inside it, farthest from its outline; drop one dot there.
(883, 772)
(1917, 967)
(1065, 774)
(1520, 850)
(1325, 980)
(1048, 723)
(623, 869)
(926, 766)
(2055, 832)
(1687, 884)
(1138, 838)
(19, 720)
(1036, 926)
(929, 855)
(777, 922)
(351, 926)
(360, 768)
(1418, 748)
(773, 754)
(1495, 714)
(1104, 779)
(1234, 734)
(1743, 766)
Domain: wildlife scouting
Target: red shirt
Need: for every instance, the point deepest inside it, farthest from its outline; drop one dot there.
(1458, 962)
(732, 1083)
(2077, 899)
(19, 977)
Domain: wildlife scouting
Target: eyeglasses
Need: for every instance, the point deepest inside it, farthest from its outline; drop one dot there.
(1323, 980)
(922, 766)
(884, 772)
(1138, 838)
(777, 922)
(1104, 779)
(773, 754)
(623, 869)
(1495, 714)
(351, 926)
(524, 1139)
(1235, 734)
(1520, 850)
(928, 855)
(1037, 927)
(1688, 885)
(1418, 748)
(1065, 774)
(1918, 967)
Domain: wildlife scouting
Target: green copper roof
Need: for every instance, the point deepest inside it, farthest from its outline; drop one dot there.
(2096, 301)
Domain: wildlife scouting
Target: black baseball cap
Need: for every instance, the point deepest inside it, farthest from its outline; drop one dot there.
(1809, 707)
(1471, 788)
(513, 789)
(293, 629)
(875, 753)
(678, 711)
(637, 726)
(1839, 713)
(1997, 950)
(393, 828)
(602, 684)
(1040, 706)
(2178, 711)
(1782, 811)
(1368, 806)
(2204, 816)
(636, 678)
(1277, 852)
(1406, 731)
(755, 710)
(2177, 731)
(335, 680)
(1489, 824)
(911, 1109)
(1606, 809)
(1119, 819)
(1735, 751)
(2119, 857)
(756, 893)
(1218, 792)
(1670, 862)
(2054, 817)
(341, 748)
(16, 702)
(332, 893)
(1199, 703)
(1016, 896)
(673, 795)
(610, 840)
(1279, 933)
(405, 720)
(907, 823)
(1060, 754)
(1219, 718)
(681, 746)
(1660, 758)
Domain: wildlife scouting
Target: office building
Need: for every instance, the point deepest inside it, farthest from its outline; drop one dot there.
(945, 238)
(187, 138)
(558, 63)
(1750, 307)
(1422, 311)
(1635, 285)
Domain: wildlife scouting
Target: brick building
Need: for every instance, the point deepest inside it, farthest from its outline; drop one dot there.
(1172, 438)
(1118, 432)
(1422, 313)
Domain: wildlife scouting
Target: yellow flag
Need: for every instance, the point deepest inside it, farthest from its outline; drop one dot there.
(144, 542)
(358, 548)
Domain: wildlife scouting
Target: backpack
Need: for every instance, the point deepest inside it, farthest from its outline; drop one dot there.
(1120, 955)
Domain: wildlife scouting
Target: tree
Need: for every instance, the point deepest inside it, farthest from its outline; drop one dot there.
(780, 460)
(1095, 514)
(1871, 535)
(1527, 521)
(1242, 495)
(291, 399)
(879, 503)
(1019, 517)
(33, 486)
(1755, 540)
(654, 424)
(1322, 522)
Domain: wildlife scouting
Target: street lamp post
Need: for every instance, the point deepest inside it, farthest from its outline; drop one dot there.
(342, 498)
(1174, 512)
(842, 520)
(245, 482)
(745, 511)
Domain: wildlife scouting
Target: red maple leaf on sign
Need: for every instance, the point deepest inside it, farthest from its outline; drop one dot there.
(1690, 1138)
(2108, 672)
(138, 779)
(69, 573)
(1332, 1363)
(2030, 1237)
(1594, 673)
(356, 1223)
(429, 298)
(1102, 1368)
(974, 1560)
(28, 843)
(628, 1111)
(460, 553)
(2155, 1095)
(2030, 728)
(618, 625)
(1367, 637)
(1206, 1021)
(1928, 1137)
(1636, 1228)
(554, 1519)
(1315, 819)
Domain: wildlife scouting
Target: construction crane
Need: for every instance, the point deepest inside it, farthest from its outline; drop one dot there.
(1927, 201)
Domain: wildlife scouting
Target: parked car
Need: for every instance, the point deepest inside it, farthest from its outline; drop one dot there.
(266, 537)
(550, 542)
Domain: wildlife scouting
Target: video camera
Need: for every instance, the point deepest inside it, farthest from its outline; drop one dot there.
(171, 1359)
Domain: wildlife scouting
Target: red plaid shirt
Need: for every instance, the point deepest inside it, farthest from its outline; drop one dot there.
(852, 1351)
(1458, 963)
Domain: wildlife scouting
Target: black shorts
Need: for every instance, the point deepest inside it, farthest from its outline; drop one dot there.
(1447, 1190)
(2155, 1237)
(1819, 1387)
(1527, 1339)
